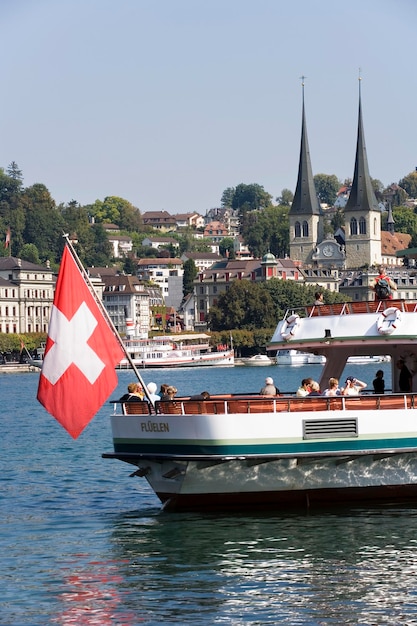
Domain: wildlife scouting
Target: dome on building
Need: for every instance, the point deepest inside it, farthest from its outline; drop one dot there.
(269, 258)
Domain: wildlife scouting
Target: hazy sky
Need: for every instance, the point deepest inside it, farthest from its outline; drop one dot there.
(166, 103)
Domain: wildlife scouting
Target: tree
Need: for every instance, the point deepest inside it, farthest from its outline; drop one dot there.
(44, 224)
(226, 248)
(190, 274)
(378, 188)
(227, 196)
(286, 197)
(29, 252)
(250, 198)
(288, 294)
(129, 266)
(15, 173)
(409, 184)
(327, 186)
(12, 213)
(98, 252)
(246, 305)
(405, 220)
(267, 231)
(115, 210)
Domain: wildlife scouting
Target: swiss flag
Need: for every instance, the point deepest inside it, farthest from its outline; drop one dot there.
(78, 371)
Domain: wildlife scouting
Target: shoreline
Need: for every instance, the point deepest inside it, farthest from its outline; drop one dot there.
(13, 368)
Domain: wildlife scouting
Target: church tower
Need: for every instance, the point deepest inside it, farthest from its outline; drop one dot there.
(305, 211)
(362, 213)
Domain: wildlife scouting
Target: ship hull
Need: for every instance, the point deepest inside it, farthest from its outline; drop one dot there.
(282, 459)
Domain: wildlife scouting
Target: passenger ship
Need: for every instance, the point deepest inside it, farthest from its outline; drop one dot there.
(192, 350)
(284, 451)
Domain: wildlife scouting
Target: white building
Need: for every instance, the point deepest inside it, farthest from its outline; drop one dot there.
(167, 274)
(26, 296)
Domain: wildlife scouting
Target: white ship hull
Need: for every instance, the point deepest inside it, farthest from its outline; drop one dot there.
(219, 359)
(176, 351)
(283, 457)
(286, 451)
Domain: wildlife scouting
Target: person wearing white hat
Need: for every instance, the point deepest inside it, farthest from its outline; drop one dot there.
(152, 395)
(269, 389)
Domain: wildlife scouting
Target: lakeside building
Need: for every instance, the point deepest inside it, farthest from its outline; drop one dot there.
(167, 274)
(26, 296)
(215, 280)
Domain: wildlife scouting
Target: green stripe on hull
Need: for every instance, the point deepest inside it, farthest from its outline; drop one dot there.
(241, 449)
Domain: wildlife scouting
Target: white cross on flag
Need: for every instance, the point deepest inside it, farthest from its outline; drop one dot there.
(78, 372)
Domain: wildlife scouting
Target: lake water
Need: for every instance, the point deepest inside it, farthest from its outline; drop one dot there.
(82, 543)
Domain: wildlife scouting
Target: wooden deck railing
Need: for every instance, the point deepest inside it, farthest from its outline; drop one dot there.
(348, 308)
(279, 404)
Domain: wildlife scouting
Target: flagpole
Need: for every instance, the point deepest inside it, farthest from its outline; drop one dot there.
(105, 314)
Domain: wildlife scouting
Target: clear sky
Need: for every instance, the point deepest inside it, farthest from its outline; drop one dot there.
(166, 103)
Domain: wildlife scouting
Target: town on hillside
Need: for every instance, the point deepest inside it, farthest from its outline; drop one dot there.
(151, 296)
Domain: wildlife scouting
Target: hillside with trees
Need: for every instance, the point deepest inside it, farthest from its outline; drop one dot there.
(37, 223)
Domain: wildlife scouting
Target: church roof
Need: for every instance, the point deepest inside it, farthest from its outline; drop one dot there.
(362, 197)
(305, 200)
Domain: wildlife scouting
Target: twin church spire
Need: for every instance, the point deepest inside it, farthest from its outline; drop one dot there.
(361, 219)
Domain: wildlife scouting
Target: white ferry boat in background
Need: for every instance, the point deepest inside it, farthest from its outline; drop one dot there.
(283, 451)
(296, 358)
(258, 360)
(187, 350)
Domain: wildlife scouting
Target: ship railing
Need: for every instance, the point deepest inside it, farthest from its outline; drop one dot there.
(349, 308)
(224, 405)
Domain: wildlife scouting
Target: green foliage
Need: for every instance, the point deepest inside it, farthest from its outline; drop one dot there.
(29, 252)
(405, 220)
(190, 274)
(259, 306)
(129, 266)
(267, 230)
(10, 342)
(409, 184)
(227, 196)
(250, 197)
(286, 197)
(244, 305)
(115, 210)
(44, 224)
(226, 247)
(327, 186)
(244, 341)
(378, 188)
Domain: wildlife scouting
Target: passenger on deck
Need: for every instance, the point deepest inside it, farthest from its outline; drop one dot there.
(163, 389)
(314, 389)
(152, 395)
(204, 395)
(304, 389)
(391, 285)
(269, 389)
(379, 382)
(405, 380)
(333, 388)
(318, 298)
(353, 386)
(169, 395)
(135, 393)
